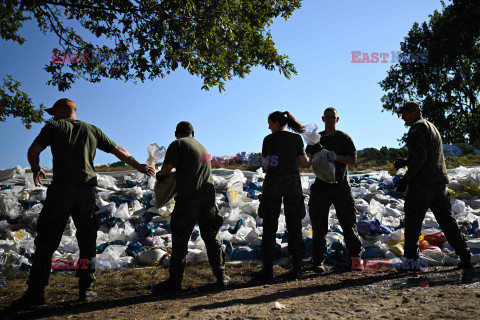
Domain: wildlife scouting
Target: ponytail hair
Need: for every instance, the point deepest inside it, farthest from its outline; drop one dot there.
(285, 118)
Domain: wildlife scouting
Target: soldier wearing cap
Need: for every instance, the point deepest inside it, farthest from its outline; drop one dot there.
(72, 193)
(194, 203)
(425, 186)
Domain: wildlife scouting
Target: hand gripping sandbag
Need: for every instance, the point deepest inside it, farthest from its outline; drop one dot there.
(155, 154)
(165, 190)
(322, 167)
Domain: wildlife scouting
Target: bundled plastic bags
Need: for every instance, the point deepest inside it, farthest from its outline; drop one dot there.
(322, 167)
(310, 134)
(9, 206)
(155, 154)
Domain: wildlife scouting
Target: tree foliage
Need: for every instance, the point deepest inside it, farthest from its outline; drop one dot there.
(216, 40)
(448, 85)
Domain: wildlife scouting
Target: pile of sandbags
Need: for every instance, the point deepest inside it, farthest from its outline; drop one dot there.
(134, 232)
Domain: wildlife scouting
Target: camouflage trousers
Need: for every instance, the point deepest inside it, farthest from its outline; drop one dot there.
(186, 214)
(322, 196)
(418, 199)
(62, 202)
(278, 188)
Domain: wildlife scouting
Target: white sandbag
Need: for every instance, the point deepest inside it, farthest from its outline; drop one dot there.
(122, 212)
(196, 256)
(458, 206)
(220, 183)
(322, 167)
(33, 212)
(259, 174)
(455, 185)
(310, 134)
(115, 251)
(225, 235)
(129, 231)
(462, 175)
(149, 257)
(38, 194)
(198, 243)
(249, 207)
(151, 183)
(69, 244)
(166, 190)
(333, 237)
(106, 262)
(397, 235)
(235, 183)
(116, 233)
(109, 208)
(135, 192)
(107, 182)
(305, 181)
(376, 210)
(438, 258)
(361, 205)
(9, 206)
(393, 212)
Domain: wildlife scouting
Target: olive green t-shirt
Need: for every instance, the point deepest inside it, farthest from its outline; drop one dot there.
(342, 144)
(281, 150)
(194, 174)
(73, 144)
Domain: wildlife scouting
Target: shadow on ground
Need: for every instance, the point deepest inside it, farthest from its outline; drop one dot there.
(386, 281)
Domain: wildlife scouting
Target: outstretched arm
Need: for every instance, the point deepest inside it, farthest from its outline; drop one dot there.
(122, 154)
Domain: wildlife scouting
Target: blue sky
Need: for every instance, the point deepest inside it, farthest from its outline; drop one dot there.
(318, 38)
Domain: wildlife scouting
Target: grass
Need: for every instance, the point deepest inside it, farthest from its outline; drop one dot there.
(469, 160)
(120, 284)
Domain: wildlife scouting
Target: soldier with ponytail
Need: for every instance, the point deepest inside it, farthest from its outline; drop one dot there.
(282, 153)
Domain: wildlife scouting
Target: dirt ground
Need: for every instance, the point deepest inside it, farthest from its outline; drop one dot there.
(435, 293)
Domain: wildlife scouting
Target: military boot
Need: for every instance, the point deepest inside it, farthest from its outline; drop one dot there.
(264, 275)
(34, 296)
(296, 273)
(465, 263)
(167, 287)
(223, 279)
(85, 290)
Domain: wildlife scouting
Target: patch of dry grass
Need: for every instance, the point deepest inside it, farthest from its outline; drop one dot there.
(121, 284)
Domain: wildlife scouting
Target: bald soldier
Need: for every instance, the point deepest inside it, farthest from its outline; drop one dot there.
(72, 193)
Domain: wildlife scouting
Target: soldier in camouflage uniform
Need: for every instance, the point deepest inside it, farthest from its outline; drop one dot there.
(194, 203)
(425, 185)
(282, 152)
(322, 194)
(72, 192)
